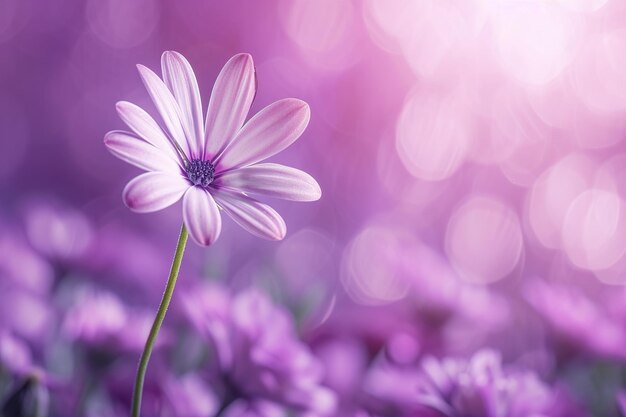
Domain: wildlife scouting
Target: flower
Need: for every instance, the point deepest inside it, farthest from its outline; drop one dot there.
(483, 387)
(584, 323)
(56, 231)
(100, 320)
(258, 355)
(26, 281)
(214, 164)
(166, 393)
(242, 408)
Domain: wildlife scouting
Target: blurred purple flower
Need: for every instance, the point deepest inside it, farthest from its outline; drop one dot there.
(391, 390)
(189, 396)
(108, 262)
(101, 320)
(20, 266)
(592, 325)
(166, 394)
(345, 360)
(257, 350)
(242, 408)
(212, 165)
(441, 295)
(57, 231)
(482, 387)
(25, 284)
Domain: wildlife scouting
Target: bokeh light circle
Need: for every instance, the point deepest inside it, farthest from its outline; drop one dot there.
(322, 30)
(484, 240)
(372, 266)
(599, 69)
(433, 135)
(121, 23)
(534, 56)
(439, 35)
(552, 195)
(594, 229)
(391, 22)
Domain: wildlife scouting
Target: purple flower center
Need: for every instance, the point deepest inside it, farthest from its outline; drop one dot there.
(200, 172)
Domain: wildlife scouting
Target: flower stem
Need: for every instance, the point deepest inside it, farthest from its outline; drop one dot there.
(158, 321)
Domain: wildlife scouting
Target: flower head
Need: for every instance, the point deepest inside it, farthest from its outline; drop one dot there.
(582, 323)
(213, 164)
(483, 387)
(100, 320)
(257, 350)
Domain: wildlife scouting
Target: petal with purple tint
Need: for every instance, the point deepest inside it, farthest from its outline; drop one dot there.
(154, 191)
(180, 79)
(270, 131)
(139, 153)
(166, 105)
(272, 180)
(201, 216)
(145, 127)
(230, 102)
(257, 218)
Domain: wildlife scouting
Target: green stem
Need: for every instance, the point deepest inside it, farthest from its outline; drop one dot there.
(158, 321)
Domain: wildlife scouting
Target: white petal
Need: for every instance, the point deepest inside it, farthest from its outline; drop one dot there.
(257, 218)
(137, 152)
(230, 102)
(270, 131)
(201, 216)
(180, 79)
(272, 180)
(145, 127)
(154, 191)
(166, 105)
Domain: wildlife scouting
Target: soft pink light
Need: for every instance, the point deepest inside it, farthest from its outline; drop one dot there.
(375, 279)
(594, 229)
(304, 257)
(389, 22)
(484, 240)
(439, 35)
(583, 5)
(534, 40)
(322, 29)
(599, 69)
(433, 134)
(552, 195)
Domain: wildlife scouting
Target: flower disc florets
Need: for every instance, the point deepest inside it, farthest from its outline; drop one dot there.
(200, 172)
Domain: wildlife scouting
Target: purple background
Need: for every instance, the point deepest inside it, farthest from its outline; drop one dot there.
(470, 154)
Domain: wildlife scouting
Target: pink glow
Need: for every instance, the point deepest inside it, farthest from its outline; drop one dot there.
(594, 229)
(375, 280)
(552, 195)
(484, 240)
(432, 135)
(536, 56)
(469, 166)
